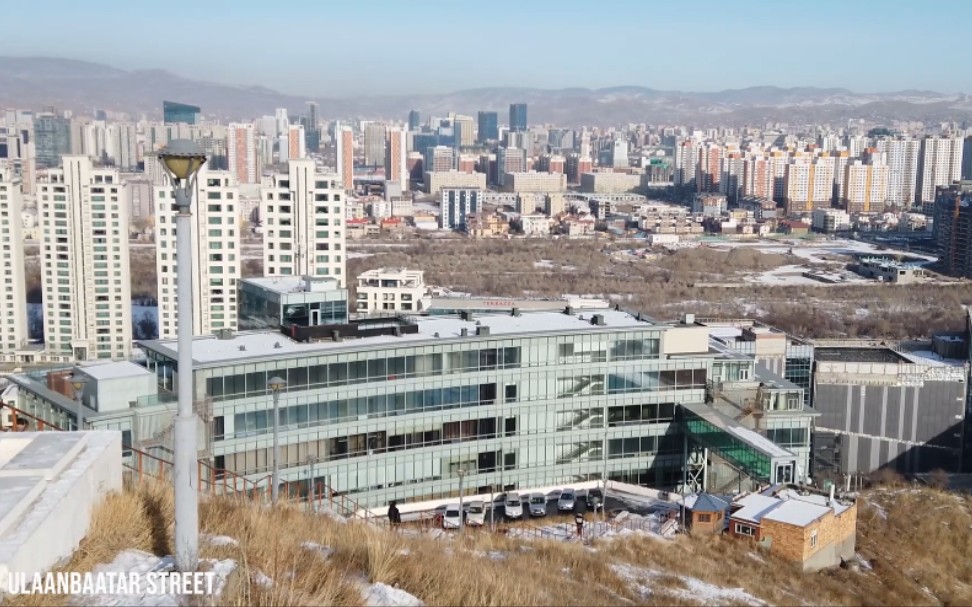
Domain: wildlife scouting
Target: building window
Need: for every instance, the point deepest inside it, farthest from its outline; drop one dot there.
(705, 518)
(813, 538)
(745, 530)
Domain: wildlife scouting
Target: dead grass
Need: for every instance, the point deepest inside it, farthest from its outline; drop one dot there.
(916, 540)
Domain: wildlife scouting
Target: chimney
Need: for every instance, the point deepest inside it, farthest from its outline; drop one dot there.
(482, 330)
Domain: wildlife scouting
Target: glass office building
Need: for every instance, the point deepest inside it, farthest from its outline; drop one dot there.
(516, 400)
(179, 112)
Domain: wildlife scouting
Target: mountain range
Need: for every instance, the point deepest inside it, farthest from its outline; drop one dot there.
(37, 82)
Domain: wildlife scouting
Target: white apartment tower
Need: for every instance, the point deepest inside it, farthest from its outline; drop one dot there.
(13, 304)
(809, 185)
(303, 230)
(121, 145)
(901, 156)
(241, 152)
(215, 238)
(83, 221)
(939, 163)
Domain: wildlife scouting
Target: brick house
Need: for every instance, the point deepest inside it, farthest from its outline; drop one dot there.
(800, 525)
(705, 513)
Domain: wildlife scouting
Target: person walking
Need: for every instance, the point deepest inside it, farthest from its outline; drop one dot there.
(579, 520)
(394, 516)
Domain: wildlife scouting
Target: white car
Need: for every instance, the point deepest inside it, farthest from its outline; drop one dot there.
(538, 504)
(452, 517)
(567, 500)
(513, 506)
(476, 514)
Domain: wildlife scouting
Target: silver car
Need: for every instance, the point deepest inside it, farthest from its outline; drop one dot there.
(538, 504)
(567, 500)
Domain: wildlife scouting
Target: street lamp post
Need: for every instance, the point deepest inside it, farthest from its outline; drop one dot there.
(181, 160)
(79, 381)
(311, 460)
(276, 385)
(462, 518)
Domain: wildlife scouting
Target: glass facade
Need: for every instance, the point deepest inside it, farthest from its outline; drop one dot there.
(179, 112)
(397, 423)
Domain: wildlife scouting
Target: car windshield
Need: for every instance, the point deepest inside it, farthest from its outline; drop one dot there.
(452, 513)
(566, 496)
(514, 503)
(476, 509)
(538, 500)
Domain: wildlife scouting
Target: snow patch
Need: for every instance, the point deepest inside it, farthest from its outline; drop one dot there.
(219, 540)
(137, 564)
(324, 552)
(493, 555)
(695, 589)
(262, 579)
(383, 595)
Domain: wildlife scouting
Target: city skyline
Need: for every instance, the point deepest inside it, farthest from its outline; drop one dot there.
(624, 44)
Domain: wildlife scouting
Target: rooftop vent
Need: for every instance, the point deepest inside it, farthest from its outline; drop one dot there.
(688, 319)
(277, 345)
(436, 335)
(598, 319)
(617, 307)
(569, 311)
(224, 333)
(465, 315)
(463, 332)
(242, 348)
(336, 335)
(397, 331)
(483, 330)
(515, 312)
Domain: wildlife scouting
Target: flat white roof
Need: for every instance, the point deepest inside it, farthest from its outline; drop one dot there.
(113, 370)
(755, 507)
(927, 357)
(260, 344)
(796, 512)
(294, 284)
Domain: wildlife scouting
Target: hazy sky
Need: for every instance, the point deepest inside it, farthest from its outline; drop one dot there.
(347, 47)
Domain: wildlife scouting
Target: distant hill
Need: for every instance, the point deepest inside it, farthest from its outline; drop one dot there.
(35, 82)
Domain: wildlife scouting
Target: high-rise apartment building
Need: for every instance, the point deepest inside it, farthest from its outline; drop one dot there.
(967, 159)
(509, 160)
(215, 259)
(345, 156)
(953, 229)
(374, 144)
(13, 293)
(619, 154)
(173, 112)
(439, 158)
(939, 164)
(396, 169)
(518, 117)
(52, 138)
(865, 188)
(809, 185)
(303, 230)
(708, 171)
(121, 145)
(292, 144)
(241, 152)
(687, 154)
(464, 129)
(456, 204)
(414, 120)
(83, 221)
(488, 127)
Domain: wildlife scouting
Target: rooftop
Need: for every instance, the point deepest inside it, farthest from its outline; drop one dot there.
(265, 344)
(113, 370)
(293, 284)
(860, 355)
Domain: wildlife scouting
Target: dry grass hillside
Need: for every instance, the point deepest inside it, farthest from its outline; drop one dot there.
(914, 542)
(666, 287)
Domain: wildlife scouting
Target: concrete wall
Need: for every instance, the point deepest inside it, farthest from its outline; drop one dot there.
(48, 492)
(685, 340)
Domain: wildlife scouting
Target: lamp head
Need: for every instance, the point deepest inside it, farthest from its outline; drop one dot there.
(277, 383)
(78, 381)
(182, 159)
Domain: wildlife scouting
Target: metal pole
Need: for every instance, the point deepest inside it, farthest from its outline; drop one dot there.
(313, 488)
(186, 426)
(80, 413)
(462, 519)
(275, 474)
(604, 475)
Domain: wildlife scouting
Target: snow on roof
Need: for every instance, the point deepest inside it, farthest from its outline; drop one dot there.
(259, 344)
(796, 512)
(755, 507)
(927, 357)
(113, 370)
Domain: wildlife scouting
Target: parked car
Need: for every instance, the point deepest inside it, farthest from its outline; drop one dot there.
(538, 504)
(476, 514)
(452, 517)
(595, 499)
(513, 506)
(567, 500)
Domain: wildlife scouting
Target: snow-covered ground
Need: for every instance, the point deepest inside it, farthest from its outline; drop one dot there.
(641, 580)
